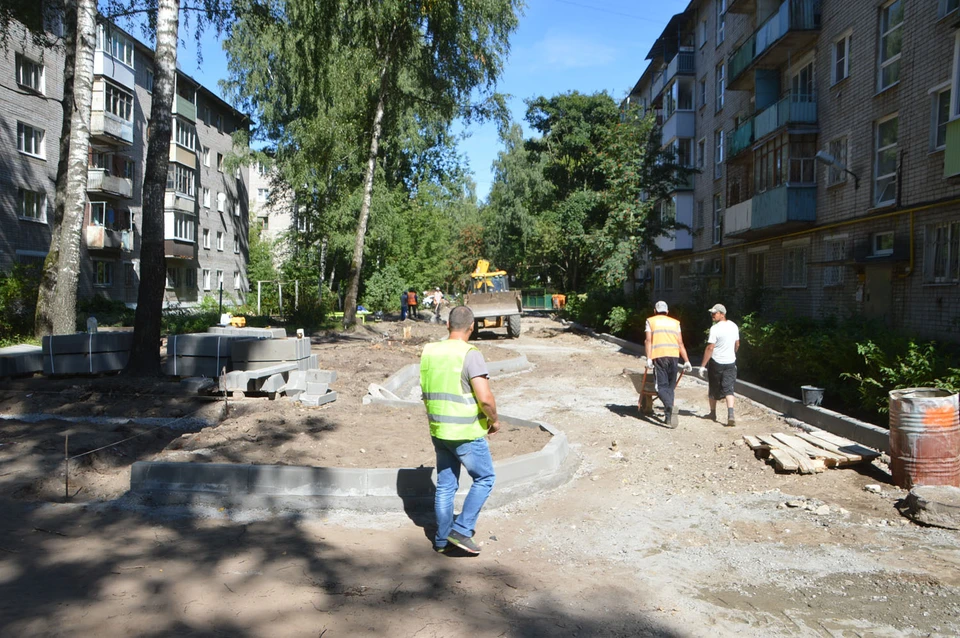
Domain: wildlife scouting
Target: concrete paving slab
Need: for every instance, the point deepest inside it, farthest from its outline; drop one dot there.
(202, 344)
(273, 383)
(85, 343)
(67, 364)
(320, 376)
(317, 388)
(239, 380)
(196, 366)
(290, 349)
(316, 400)
(258, 333)
(20, 360)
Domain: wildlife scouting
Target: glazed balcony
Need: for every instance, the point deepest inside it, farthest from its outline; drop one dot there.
(99, 180)
(108, 66)
(679, 124)
(794, 27)
(679, 239)
(773, 212)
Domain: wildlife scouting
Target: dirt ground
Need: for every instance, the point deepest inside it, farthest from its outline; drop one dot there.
(660, 533)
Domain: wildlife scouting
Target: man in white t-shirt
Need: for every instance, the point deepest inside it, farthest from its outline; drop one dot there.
(720, 362)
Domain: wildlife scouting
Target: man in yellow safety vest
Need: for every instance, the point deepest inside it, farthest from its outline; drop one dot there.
(664, 347)
(462, 412)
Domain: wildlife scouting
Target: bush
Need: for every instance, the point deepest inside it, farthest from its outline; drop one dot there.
(382, 290)
(18, 302)
(617, 320)
(107, 311)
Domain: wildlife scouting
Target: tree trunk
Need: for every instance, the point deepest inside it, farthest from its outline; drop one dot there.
(63, 310)
(350, 303)
(145, 353)
(46, 298)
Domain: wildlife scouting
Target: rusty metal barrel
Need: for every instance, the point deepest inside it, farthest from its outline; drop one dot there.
(924, 437)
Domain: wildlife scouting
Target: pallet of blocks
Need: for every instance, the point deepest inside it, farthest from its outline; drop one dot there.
(86, 353)
(201, 354)
(808, 452)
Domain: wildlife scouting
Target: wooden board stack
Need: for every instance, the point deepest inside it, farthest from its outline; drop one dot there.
(809, 452)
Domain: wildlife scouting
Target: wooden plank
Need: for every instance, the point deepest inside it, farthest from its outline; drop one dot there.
(846, 445)
(803, 447)
(805, 465)
(815, 440)
(753, 442)
(784, 460)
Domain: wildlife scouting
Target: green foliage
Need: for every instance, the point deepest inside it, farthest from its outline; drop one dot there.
(186, 320)
(617, 320)
(108, 312)
(18, 301)
(311, 314)
(383, 290)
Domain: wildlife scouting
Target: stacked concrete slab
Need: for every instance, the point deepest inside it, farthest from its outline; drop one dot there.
(257, 333)
(311, 387)
(16, 361)
(86, 353)
(265, 353)
(201, 354)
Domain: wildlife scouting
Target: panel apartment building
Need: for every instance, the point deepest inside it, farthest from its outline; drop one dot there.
(750, 92)
(205, 211)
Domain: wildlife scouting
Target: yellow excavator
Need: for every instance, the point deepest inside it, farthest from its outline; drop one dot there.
(494, 305)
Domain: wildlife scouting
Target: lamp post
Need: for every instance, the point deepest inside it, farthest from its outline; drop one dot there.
(831, 161)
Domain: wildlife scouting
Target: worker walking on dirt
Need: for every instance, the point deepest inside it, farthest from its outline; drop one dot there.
(664, 348)
(720, 362)
(412, 303)
(404, 304)
(462, 412)
(437, 300)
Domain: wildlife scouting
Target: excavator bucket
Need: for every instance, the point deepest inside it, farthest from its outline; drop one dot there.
(494, 304)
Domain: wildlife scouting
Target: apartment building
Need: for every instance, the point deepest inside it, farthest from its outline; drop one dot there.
(205, 211)
(272, 209)
(758, 89)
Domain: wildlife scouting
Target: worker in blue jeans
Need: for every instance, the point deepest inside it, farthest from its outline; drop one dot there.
(461, 411)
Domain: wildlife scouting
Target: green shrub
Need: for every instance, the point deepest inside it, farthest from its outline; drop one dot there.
(187, 320)
(382, 290)
(108, 312)
(617, 320)
(18, 301)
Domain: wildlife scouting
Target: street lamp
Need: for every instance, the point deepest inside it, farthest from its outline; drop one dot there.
(832, 162)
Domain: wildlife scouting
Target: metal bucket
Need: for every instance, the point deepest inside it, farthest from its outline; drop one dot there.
(812, 395)
(924, 437)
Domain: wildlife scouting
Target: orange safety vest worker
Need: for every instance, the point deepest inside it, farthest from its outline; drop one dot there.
(665, 333)
(411, 299)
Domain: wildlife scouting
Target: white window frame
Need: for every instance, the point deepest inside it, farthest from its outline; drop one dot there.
(236, 208)
(206, 156)
(839, 148)
(834, 250)
(35, 200)
(182, 180)
(237, 281)
(148, 83)
(185, 134)
(184, 226)
(219, 162)
(717, 222)
(936, 125)
(946, 7)
(236, 243)
(173, 278)
(721, 20)
(206, 197)
(115, 44)
(220, 241)
(943, 236)
(221, 202)
(263, 194)
(30, 74)
(878, 150)
(219, 280)
(887, 31)
(718, 150)
(117, 101)
(720, 85)
(835, 60)
(701, 153)
(206, 238)
(702, 92)
(102, 273)
(206, 279)
(794, 256)
(36, 138)
(877, 239)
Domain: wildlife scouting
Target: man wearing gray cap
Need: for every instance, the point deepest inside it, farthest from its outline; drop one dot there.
(720, 362)
(664, 347)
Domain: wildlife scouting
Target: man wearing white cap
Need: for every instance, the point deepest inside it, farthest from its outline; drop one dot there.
(720, 362)
(664, 347)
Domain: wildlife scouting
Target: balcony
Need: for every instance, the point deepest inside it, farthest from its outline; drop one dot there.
(681, 64)
(178, 201)
(791, 109)
(183, 155)
(176, 249)
(108, 239)
(679, 124)
(100, 181)
(951, 159)
(106, 65)
(184, 108)
(683, 183)
(741, 138)
(741, 6)
(679, 239)
(792, 27)
(107, 127)
(773, 212)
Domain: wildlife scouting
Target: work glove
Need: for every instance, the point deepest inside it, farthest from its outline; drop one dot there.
(649, 364)
(688, 367)
(702, 372)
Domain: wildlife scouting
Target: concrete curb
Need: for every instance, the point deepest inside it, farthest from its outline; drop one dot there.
(848, 427)
(366, 490)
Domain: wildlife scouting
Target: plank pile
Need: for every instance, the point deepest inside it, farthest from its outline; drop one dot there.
(809, 452)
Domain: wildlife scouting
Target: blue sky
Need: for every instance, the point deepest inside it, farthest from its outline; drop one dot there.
(560, 46)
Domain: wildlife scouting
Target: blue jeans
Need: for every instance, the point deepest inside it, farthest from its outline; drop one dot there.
(475, 457)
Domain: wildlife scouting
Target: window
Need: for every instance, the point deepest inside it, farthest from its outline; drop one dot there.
(206, 279)
(104, 214)
(30, 140)
(801, 83)
(841, 58)
(658, 278)
(263, 194)
(29, 73)
(838, 149)
(668, 277)
(206, 156)
(115, 43)
(32, 205)
(721, 20)
(220, 241)
(941, 262)
(184, 226)
(941, 115)
(173, 277)
(236, 244)
(720, 86)
(220, 280)
(236, 280)
(885, 169)
(129, 275)
(220, 162)
(947, 6)
(236, 209)
(718, 154)
(717, 218)
(206, 198)
(117, 102)
(148, 84)
(701, 152)
(264, 223)
(891, 40)
(835, 250)
(206, 238)
(882, 244)
(786, 158)
(702, 33)
(103, 274)
(795, 267)
(731, 274)
(261, 169)
(702, 91)
(221, 202)
(757, 266)
(180, 179)
(186, 134)
(698, 219)
(191, 277)
(219, 119)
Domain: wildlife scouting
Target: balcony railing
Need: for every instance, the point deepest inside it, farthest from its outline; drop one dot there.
(103, 238)
(741, 138)
(794, 108)
(99, 180)
(783, 205)
(681, 64)
(185, 108)
(793, 15)
(109, 127)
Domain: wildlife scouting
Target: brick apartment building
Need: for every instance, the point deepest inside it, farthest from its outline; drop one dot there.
(748, 92)
(272, 209)
(205, 211)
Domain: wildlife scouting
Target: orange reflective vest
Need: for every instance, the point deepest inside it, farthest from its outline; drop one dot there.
(665, 332)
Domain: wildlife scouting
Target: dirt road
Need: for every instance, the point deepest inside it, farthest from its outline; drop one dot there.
(661, 533)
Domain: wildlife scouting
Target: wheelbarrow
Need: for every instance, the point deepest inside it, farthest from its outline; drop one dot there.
(645, 384)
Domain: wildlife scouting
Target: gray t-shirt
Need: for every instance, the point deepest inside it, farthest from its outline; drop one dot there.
(473, 366)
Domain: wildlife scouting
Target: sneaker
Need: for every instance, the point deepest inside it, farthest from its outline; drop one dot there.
(731, 422)
(463, 542)
(674, 419)
(440, 549)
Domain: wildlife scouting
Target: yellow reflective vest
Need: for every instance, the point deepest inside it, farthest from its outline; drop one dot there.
(665, 332)
(453, 414)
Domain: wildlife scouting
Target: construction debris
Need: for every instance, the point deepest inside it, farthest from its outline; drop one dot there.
(809, 452)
